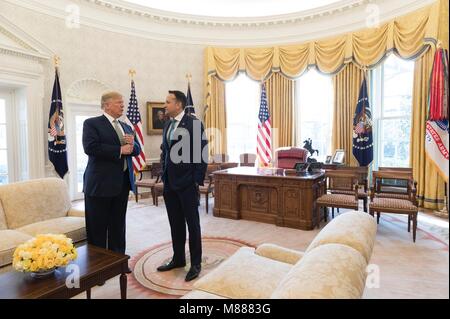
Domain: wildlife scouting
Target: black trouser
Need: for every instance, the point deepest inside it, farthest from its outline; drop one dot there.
(105, 219)
(182, 208)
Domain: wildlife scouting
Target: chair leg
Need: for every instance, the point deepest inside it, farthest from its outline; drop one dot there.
(332, 212)
(378, 217)
(409, 223)
(206, 202)
(338, 210)
(414, 218)
(365, 204)
(371, 212)
(152, 190)
(137, 194)
(325, 213)
(156, 199)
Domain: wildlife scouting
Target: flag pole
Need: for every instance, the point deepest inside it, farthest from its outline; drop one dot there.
(56, 61)
(132, 73)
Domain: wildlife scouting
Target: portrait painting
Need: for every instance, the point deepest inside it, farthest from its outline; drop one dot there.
(156, 118)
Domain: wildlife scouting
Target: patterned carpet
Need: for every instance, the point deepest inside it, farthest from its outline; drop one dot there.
(407, 269)
(144, 264)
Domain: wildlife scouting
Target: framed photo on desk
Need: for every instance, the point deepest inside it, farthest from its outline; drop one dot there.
(338, 157)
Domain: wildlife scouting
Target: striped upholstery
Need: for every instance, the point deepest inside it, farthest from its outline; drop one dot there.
(337, 200)
(380, 203)
(361, 192)
(391, 195)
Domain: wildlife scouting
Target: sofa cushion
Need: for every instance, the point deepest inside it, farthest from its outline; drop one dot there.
(10, 239)
(354, 229)
(3, 224)
(328, 271)
(33, 201)
(279, 253)
(72, 227)
(244, 275)
(198, 294)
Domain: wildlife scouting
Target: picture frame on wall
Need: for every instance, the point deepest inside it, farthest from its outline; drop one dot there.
(338, 157)
(156, 118)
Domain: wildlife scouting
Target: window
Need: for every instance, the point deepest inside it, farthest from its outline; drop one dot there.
(242, 99)
(392, 87)
(3, 143)
(315, 111)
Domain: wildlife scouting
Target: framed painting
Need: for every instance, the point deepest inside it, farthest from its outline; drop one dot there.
(156, 118)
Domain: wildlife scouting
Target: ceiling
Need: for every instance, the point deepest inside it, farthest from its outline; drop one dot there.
(234, 8)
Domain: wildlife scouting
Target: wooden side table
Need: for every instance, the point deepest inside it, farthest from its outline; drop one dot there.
(95, 265)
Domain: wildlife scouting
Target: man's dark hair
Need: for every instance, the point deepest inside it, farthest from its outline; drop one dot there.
(180, 97)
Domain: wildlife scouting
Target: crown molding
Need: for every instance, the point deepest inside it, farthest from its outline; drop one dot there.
(28, 47)
(131, 19)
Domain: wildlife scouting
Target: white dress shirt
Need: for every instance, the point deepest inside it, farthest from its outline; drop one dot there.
(178, 120)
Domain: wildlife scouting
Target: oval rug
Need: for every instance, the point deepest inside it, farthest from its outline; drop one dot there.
(215, 251)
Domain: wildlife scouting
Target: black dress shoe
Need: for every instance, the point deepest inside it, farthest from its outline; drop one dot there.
(169, 266)
(193, 272)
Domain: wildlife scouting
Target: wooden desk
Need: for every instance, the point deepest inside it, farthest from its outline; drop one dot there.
(96, 265)
(275, 196)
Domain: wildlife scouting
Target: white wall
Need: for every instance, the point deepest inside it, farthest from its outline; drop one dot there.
(107, 56)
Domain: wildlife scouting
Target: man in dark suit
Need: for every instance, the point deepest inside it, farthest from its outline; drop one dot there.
(108, 178)
(184, 170)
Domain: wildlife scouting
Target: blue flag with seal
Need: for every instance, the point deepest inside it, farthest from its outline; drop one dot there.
(189, 109)
(57, 151)
(362, 128)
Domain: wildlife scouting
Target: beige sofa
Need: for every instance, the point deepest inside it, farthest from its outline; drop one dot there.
(34, 207)
(333, 266)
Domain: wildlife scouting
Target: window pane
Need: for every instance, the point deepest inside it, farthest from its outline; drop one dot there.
(395, 143)
(2, 111)
(82, 158)
(242, 99)
(3, 162)
(315, 92)
(3, 141)
(397, 87)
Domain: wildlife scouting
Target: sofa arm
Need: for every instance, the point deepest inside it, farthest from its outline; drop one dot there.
(275, 252)
(75, 213)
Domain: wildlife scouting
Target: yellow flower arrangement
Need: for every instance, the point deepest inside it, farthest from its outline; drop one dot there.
(44, 252)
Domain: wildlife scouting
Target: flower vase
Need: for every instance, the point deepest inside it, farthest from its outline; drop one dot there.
(42, 273)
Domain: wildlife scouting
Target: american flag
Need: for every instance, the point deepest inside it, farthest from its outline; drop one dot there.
(134, 117)
(264, 137)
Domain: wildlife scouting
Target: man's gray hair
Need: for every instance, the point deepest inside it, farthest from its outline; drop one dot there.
(108, 96)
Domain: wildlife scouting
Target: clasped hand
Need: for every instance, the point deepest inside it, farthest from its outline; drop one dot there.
(127, 149)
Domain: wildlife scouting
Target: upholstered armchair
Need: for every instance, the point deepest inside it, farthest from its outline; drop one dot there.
(395, 205)
(287, 157)
(208, 187)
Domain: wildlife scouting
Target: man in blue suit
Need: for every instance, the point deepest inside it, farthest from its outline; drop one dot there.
(184, 148)
(110, 145)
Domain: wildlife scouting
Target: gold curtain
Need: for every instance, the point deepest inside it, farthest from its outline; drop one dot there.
(409, 36)
(216, 118)
(346, 85)
(430, 184)
(280, 96)
(443, 24)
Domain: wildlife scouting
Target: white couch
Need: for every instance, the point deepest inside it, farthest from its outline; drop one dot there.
(35, 207)
(333, 266)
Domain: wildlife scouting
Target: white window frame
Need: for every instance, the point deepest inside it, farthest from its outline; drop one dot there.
(12, 129)
(377, 106)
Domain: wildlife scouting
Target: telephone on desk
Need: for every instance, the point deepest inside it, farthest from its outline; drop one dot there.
(307, 168)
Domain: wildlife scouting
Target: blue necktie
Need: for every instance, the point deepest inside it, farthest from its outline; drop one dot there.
(171, 130)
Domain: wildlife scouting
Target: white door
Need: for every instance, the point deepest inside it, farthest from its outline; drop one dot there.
(76, 156)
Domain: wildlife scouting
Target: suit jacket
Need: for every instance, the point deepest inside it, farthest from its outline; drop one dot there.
(186, 166)
(104, 172)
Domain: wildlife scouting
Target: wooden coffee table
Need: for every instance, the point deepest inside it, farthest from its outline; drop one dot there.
(95, 265)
